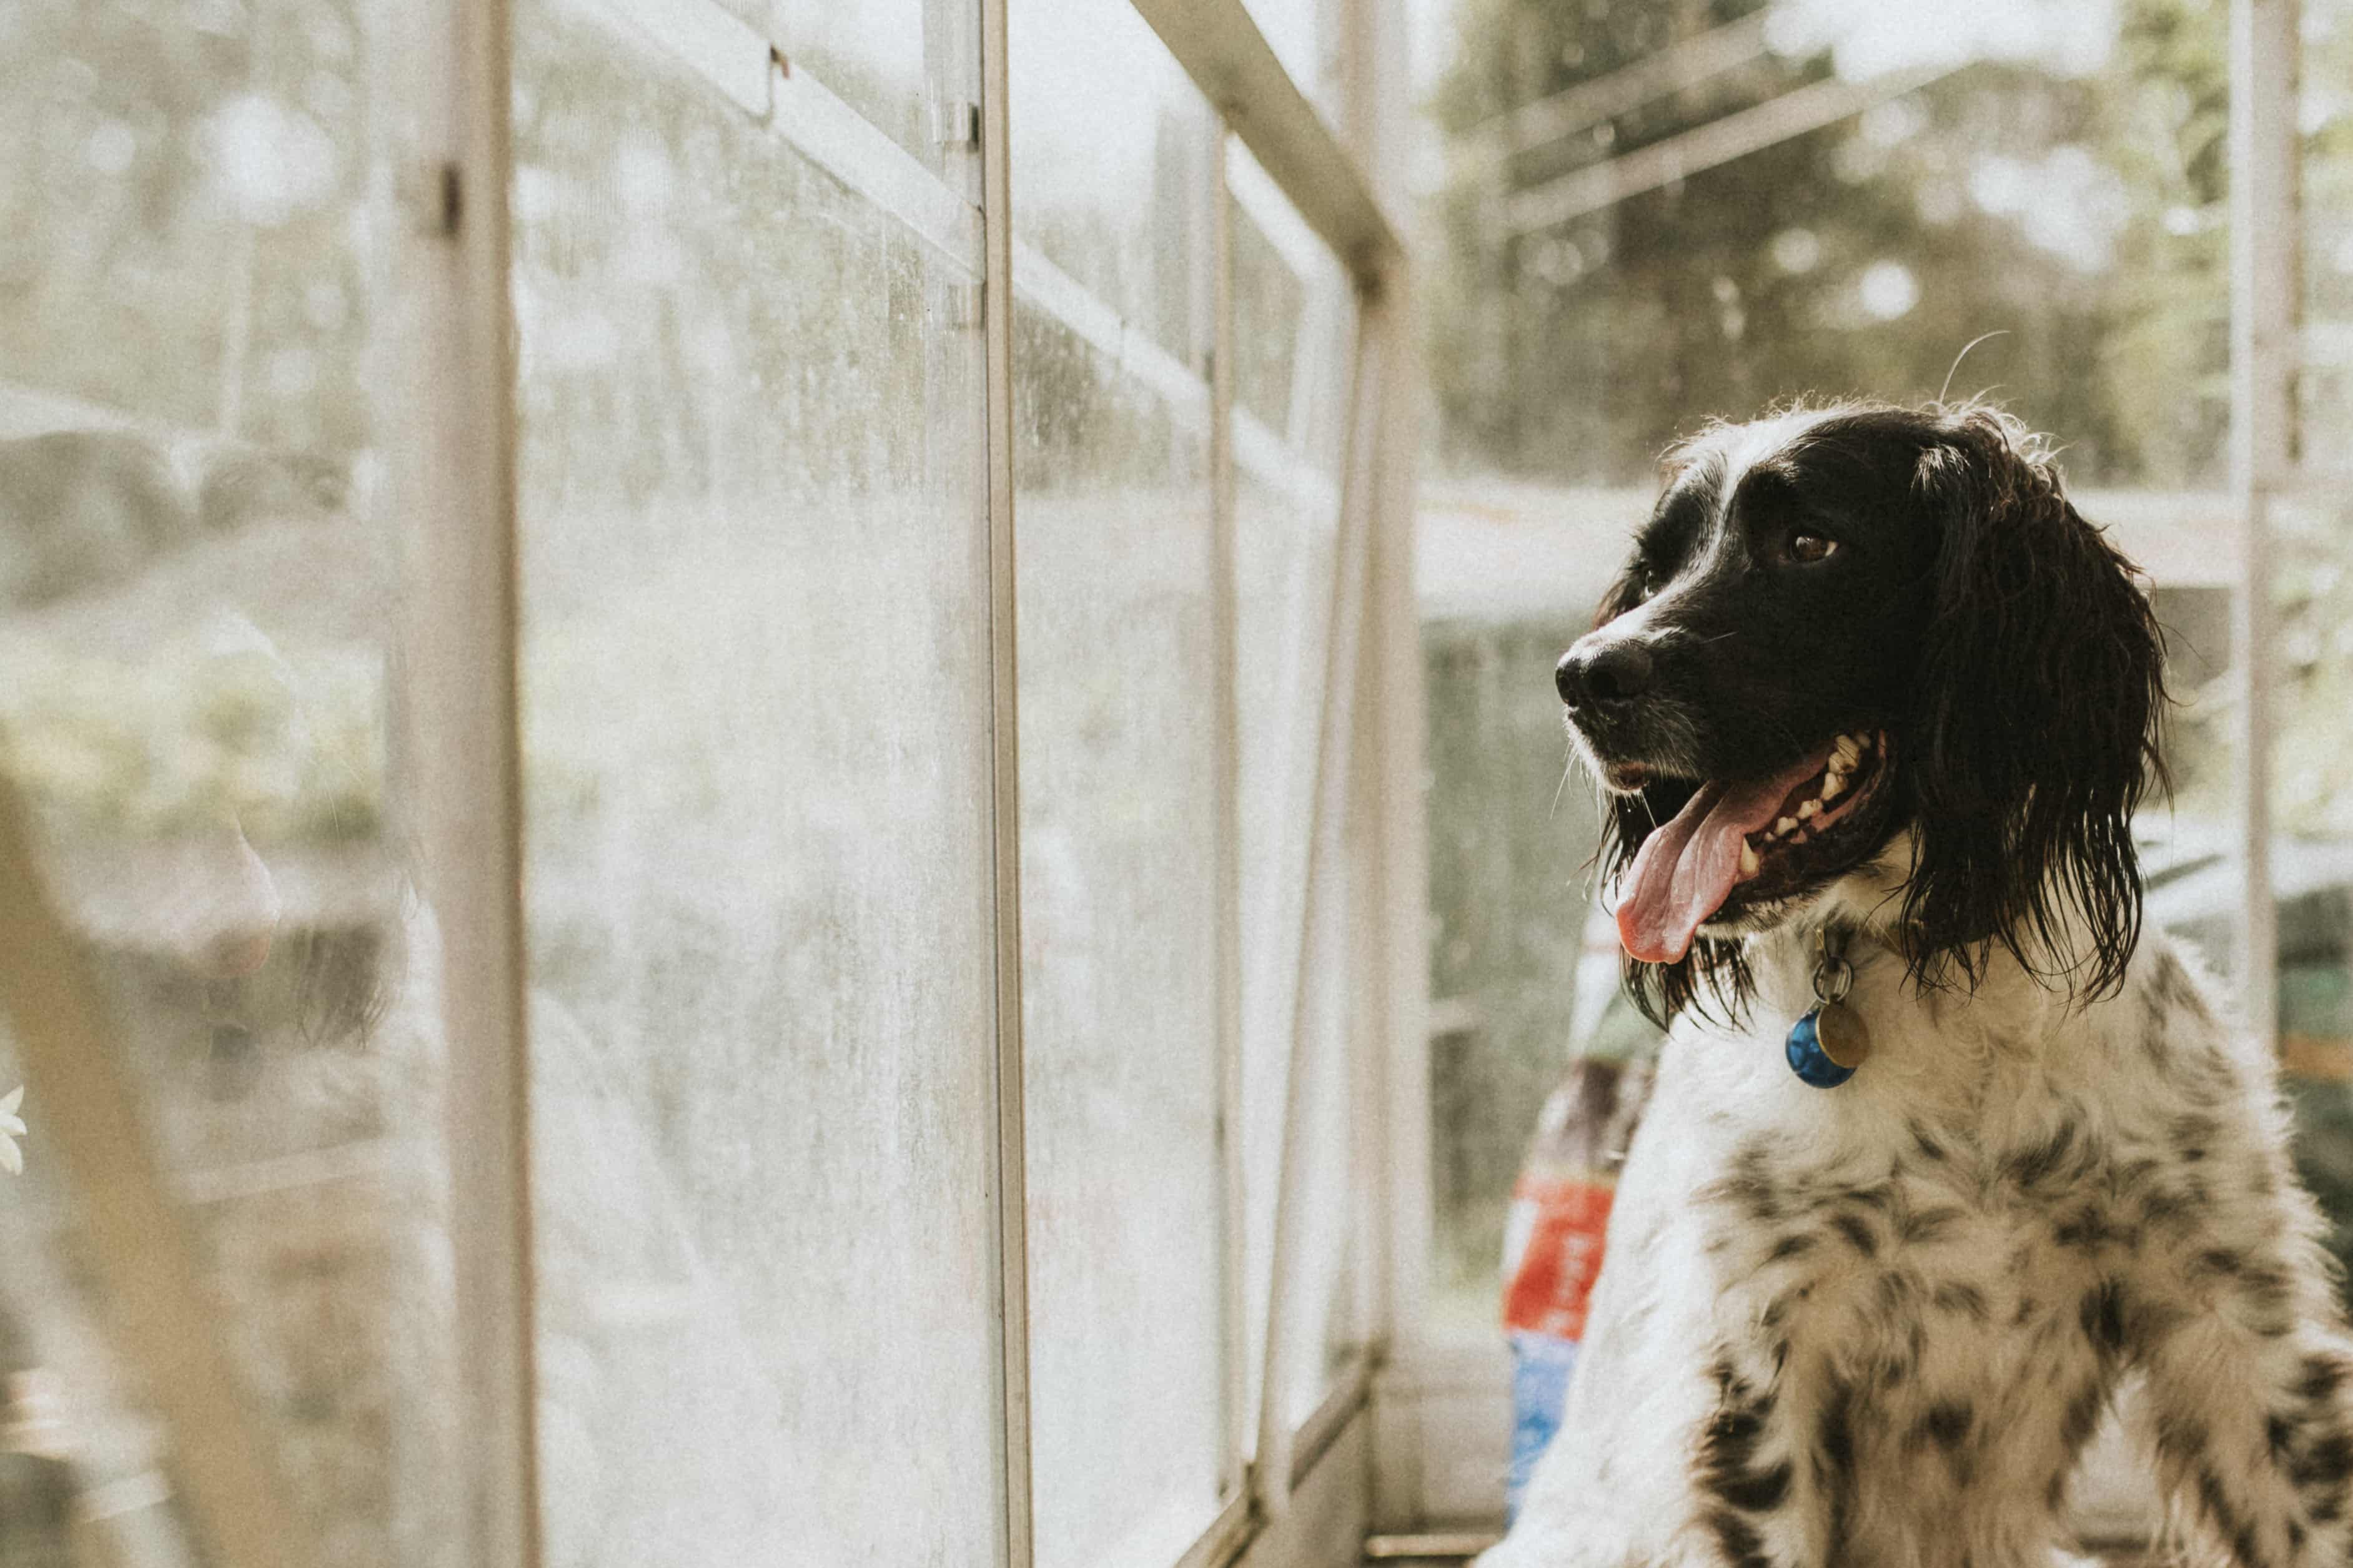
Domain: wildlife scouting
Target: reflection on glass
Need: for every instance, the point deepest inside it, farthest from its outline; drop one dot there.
(194, 694)
(758, 886)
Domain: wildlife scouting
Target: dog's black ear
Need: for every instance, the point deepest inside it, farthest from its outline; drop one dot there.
(2035, 715)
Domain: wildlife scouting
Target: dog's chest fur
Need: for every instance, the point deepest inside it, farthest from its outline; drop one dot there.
(1910, 1300)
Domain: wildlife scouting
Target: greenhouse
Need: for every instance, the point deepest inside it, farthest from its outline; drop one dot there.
(782, 784)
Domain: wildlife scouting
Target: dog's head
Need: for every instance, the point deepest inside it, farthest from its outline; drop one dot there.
(1870, 655)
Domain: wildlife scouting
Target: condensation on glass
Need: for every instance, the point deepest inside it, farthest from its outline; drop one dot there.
(755, 668)
(1120, 901)
(196, 688)
(755, 699)
(1293, 322)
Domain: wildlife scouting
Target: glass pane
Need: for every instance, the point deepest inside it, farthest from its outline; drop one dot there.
(756, 723)
(2326, 385)
(880, 57)
(1509, 895)
(1110, 147)
(1119, 789)
(1293, 318)
(196, 681)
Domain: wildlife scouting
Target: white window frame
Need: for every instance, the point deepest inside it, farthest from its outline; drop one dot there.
(1296, 1494)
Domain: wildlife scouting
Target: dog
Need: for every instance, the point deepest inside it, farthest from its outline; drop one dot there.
(1873, 707)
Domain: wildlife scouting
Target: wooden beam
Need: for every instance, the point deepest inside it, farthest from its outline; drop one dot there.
(1808, 108)
(1604, 98)
(2264, 233)
(1231, 61)
(164, 1321)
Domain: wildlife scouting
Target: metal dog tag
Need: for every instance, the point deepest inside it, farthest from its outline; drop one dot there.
(1845, 1037)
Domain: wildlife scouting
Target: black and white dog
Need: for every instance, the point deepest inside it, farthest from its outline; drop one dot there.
(1874, 706)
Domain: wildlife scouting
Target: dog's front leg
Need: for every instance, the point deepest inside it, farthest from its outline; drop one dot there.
(2249, 1408)
(1684, 1443)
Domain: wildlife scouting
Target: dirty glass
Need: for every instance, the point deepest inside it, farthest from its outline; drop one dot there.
(1110, 144)
(897, 62)
(755, 699)
(197, 682)
(1294, 316)
(1120, 888)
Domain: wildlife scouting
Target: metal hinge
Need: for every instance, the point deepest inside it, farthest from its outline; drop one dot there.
(433, 194)
(955, 123)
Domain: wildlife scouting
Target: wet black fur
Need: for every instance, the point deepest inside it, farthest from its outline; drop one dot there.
(1970, 612)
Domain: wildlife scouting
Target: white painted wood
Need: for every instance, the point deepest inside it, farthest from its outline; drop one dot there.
(1017, 1538)
(450, 467)
(1224, 52)
(1226, 634)
(1793, 113)
(1325, 844)
(708, 37)
(163, 1319)
(1324, 1525)
(1604, 98)
(2265, 231)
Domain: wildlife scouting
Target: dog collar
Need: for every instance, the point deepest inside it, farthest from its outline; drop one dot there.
(1832, 1040)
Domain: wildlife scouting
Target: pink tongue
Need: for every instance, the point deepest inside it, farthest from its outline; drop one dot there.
(1686, 869)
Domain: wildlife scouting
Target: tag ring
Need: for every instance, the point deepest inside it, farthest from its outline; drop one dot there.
(1833, 976)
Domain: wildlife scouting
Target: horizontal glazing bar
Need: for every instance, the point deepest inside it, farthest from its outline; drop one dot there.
(1222, 50)
(730, 55)
(1255, 191)
(838, 139)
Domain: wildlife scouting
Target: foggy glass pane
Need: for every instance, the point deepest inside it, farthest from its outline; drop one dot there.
(1294, 321)
(880, 57)
(1303, 35)
(756, 683)
(1269, 308)
(1120, 889)
(1110, 144)
(197, 679)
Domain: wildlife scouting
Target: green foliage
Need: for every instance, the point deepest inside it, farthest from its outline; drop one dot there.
(1582, 353)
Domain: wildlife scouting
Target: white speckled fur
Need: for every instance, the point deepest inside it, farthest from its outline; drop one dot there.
(1922, 1259)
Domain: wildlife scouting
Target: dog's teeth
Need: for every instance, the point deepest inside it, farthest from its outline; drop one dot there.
(1748, 859)
(1810, 807)
(1800, 836)
(1833, 784)
(1785, 825)
(1849, 751)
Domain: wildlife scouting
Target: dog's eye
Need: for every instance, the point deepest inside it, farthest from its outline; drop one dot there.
(1805, 546)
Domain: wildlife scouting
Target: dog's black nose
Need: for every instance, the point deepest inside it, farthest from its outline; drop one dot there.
(1614, 672)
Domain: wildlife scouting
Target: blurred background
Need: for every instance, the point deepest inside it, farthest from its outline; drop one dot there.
(2043, 186)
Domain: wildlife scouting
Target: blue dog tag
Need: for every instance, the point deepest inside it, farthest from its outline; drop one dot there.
(1812, 1064)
